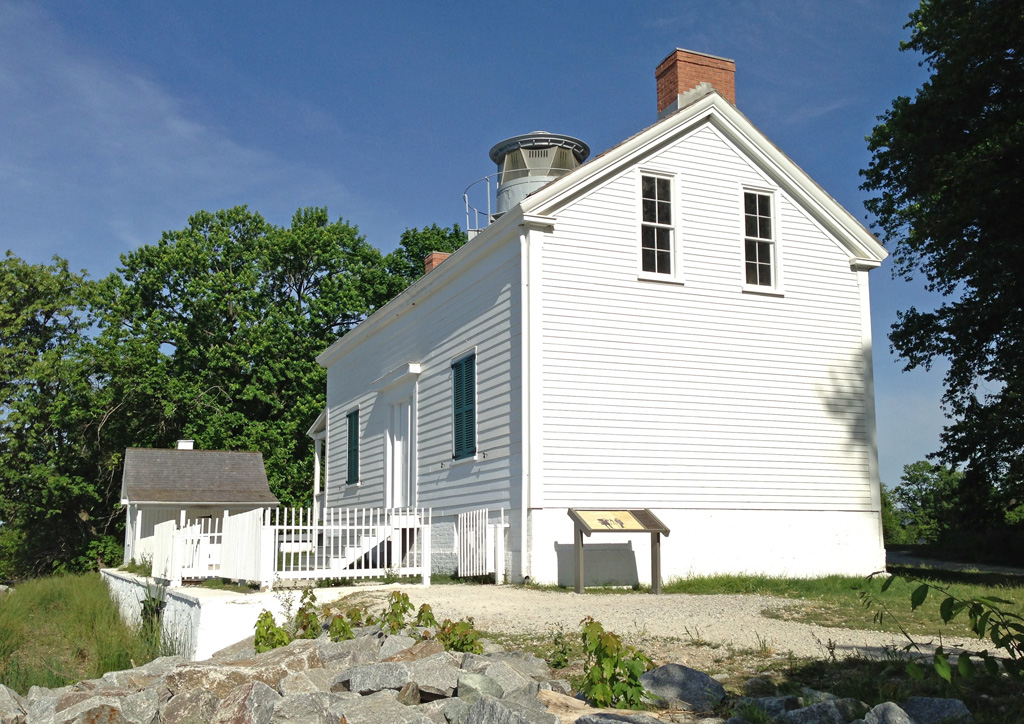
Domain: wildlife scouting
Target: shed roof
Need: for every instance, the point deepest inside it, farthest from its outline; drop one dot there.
(194, 476)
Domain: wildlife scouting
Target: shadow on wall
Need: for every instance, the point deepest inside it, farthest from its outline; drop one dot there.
(603, 564)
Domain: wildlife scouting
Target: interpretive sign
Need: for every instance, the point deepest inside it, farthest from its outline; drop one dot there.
(589, 521)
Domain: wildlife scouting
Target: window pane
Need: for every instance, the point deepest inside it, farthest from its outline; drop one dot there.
(750, 203)
(751, 250)
(647, 237)
(664, 262)
(764, 252)
(648, 187)
(664, 189)
(650, 210)
(751, 229)
(751, 272)
(664, 240)
(664, 212)
(765, 275)
(764, 205)
(764, 227)
(649, 264)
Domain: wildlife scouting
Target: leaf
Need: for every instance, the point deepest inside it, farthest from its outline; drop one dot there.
(964, 666)
(887, 582)
(941, 664)
(994, 601)
(915, 670)
(919, 595)
(947, 609)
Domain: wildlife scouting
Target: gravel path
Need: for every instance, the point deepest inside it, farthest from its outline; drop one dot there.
(730, 620)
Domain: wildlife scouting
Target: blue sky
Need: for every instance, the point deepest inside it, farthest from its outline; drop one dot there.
(120, 119)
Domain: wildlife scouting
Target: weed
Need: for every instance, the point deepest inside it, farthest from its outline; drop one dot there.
(307, 623)
(765, 646)
(144, 566)
(560, 653)
(752, 713)
(340, 629)
(392, 618)
(460, 636)
(269, 635)
(612, 669)
(696, 638)
(425, 616)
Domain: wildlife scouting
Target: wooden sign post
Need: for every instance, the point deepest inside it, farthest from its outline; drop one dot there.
(588, 522)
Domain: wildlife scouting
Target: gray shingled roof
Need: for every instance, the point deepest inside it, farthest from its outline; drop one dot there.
(195, 476)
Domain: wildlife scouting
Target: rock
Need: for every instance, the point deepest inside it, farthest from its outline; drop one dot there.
(310, 708)
(490, 647)
(394, 644)
(269, 668)
(409, 695)
(12, 706)
(379, 708)
(247, 704)
(141, 707)
(558, 685)
(604, 718)
(887, 713)
(375, 677)
(419, 650)
(488, 710)
(306, 682)
(527, 664)
(244, 649)
(838, 711)
(677, 683)
(931, 710)
(436, 676)
(813, 696)
(507, 677)
(472, 686)
(197, 706)
(361, 650)
(759, 686)
(773, 706)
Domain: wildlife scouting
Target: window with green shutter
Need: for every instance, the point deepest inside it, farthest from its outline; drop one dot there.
(464, 407)
(353, 447)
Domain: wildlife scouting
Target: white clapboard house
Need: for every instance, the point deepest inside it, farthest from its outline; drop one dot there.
(680, 324)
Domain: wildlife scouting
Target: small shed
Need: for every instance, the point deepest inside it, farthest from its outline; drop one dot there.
(159, 485)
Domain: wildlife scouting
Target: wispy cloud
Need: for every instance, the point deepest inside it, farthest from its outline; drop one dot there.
(91, 149)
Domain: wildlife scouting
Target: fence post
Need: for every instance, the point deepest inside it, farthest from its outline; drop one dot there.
(427, 559)
(174, 575)
(266, 555)
(499, 550)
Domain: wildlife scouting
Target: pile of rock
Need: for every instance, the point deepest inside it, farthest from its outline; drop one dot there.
(377, 678)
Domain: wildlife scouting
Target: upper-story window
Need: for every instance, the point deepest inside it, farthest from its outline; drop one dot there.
(759, 241)
(656, 230)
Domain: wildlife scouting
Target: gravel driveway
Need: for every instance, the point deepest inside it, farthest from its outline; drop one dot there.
(733, 621)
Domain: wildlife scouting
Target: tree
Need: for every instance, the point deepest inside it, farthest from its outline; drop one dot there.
(405, 264)
(947, 174)
(926, 503)
(57, 493)
(213, 333)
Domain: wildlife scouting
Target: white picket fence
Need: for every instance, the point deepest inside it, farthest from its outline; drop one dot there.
(295, 544)
(481, 544)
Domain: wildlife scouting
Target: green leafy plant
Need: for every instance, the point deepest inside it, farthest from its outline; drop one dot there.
(987, 618)
(392, 618)
(269, 635)
(425, 616)
(340, 629)
(612, 670)
(360, 616)
(307, 622)
(460, 636)
(560, 649)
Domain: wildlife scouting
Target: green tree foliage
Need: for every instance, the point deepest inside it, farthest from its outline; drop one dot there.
(57, 491)
(946, 171)
(926, 503)
(213, 332)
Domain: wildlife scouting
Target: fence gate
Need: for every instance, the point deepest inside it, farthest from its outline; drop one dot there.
(481, 544)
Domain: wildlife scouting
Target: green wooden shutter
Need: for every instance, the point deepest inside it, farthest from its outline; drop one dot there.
(464, 407)
(353, 447)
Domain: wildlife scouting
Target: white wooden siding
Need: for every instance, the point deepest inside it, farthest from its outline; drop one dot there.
(473, 311)
(699, 395)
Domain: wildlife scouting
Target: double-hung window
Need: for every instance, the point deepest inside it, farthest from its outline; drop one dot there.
(464, 407)
(759, 245)
(353, 447)
(656, 230)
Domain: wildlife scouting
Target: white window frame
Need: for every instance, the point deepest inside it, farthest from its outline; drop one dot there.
(675, 256)
(776, 288)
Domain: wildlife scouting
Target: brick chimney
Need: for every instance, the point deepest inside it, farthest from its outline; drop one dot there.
(684, 70)
(433, 259)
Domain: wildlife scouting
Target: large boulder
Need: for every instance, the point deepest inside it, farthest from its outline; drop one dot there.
(12, 706)
(931, 710)
(380, 708)
(269, 668)
(887, 713)
(197, 706)
(837, 711)
(248, 704)
(681, 687)
(488, 710)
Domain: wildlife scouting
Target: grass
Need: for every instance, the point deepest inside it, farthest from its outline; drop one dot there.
(59, 630)
(836, 600)
(226, 584)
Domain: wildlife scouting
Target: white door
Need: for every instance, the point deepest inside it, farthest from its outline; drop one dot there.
(400, 439)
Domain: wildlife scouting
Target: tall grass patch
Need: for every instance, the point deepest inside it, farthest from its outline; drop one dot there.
(55, 631)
